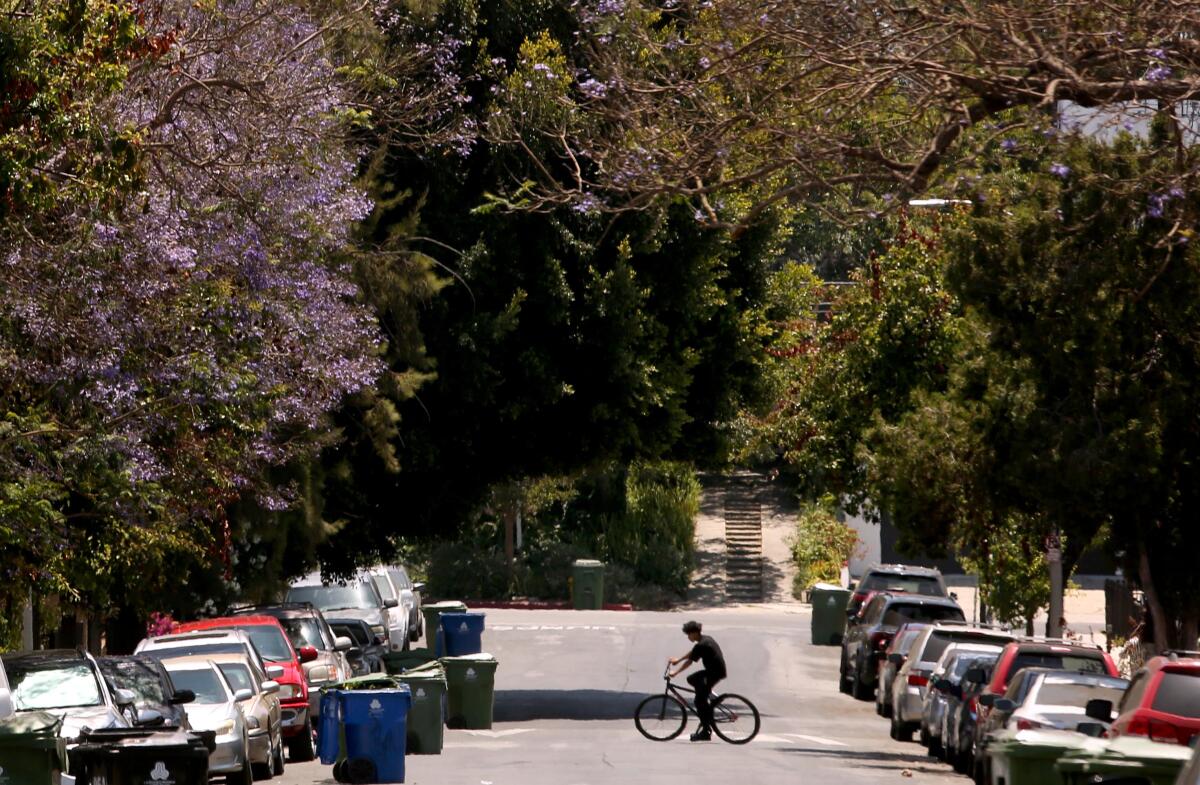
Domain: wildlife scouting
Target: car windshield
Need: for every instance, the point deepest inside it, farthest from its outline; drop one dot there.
(913, 584)
(898, 613)
(140, 678)
(1067, 693)
(354, 632)
(185, 649)
(1062, 662)
(334, 598)
(63, 685)
(238, 675)
(1178, 694)
(385, 587)
(304, 632)
(202, 681)
(269, 641)
(939, 641)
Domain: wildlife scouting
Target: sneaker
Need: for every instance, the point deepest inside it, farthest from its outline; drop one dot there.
(702, 735)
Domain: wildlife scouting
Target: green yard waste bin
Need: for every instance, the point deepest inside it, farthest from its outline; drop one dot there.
(828, 613)
(31, 753)
(426, 716)
(470, 691)
(397, 662)
(1125, 756)
(433, 623)
(587, 584)
(1027, 757)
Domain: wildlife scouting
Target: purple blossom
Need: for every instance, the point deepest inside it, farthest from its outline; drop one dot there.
(1060, 170)
(704, 63)
(1158, 73)
(593, 89)
(1008, 145)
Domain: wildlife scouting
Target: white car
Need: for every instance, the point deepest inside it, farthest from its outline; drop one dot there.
(206, 642)
(400, 615)
(216, 709)
(68, 684)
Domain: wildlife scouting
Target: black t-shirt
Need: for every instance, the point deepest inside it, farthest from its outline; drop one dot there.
(708, 652)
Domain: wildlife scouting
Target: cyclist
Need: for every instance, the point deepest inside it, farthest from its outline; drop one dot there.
(706, 651)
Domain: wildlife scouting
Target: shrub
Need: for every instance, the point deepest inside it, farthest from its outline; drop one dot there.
(457, 572)
(821, 544)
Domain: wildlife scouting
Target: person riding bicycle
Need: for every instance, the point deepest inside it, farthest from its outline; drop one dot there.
(706, 651)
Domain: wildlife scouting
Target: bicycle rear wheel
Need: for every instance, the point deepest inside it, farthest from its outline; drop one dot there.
(735, 719)
(660, 717)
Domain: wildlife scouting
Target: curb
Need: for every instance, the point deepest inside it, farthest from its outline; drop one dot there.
(539, 605)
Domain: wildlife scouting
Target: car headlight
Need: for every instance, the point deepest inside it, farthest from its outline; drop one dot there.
(225, 727)
(287, 691)
(251, 723)
(320, 674)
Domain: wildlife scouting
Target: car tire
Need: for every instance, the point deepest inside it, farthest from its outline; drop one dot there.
(900, 731)
(300, 748)
(277, 763)
(923, 736)
(843, 677)
(862, 690)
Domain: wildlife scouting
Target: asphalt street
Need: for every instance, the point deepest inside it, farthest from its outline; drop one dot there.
(568, 683)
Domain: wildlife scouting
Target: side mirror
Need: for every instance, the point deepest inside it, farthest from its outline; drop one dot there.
(977, 675)
(354, 653)
(954, 596)
(124, 698)
(1004, 705)
(270, 686)
(244, 694)
(391, 603)
(1099, 709)
(149, 718)
(419, 586)
(274, 671)
(943, 685)
(987, 699)
(896, 658)
(182, 696)
(307, 653)
(342, 643)
(1094, 729)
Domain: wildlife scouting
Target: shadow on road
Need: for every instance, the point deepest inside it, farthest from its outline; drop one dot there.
(893, 761)
(527, 705)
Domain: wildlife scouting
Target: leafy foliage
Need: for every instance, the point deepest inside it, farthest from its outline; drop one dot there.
(821, 544)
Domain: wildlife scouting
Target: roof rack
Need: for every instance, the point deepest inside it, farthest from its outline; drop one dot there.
(290, 606)
(1064, 641)
(1181, 654)
(971, 624)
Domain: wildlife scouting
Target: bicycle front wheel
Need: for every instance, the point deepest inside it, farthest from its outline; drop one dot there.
(660, 717)
(735, 719)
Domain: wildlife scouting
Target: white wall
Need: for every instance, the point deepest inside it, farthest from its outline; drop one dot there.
(870, 550)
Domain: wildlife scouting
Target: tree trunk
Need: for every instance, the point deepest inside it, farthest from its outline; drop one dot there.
(510, 527)
(1190, 631)
(1157, 613)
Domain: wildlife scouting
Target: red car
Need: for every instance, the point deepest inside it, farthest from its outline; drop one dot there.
(275, 648)
(1162, 702)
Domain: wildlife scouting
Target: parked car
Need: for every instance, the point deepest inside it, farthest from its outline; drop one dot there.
(908, 688)
(402, 579)
(865, 642)
(1062, 655)
(367, 656)
(1191, 772)
(273, 644)
(6, 703)
(947, 674)
(206, 642)
(958, 739)
(400, 614)
(159, 703)
(307, 628)
(1163, 701)
(358, 598)
(925, 581)
(1050, 699)
(216, 709)
(68, 684)
(902, 641)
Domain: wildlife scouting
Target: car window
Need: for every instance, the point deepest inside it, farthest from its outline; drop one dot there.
(1133, 696)
(53, 686)
(1016, 687)
(238, 676)
(898, 613)
(202, 681)
(335, 598)
(142, 679)
(1055, 693)
(913, 584)
(400, 577)
(386, 590)
(305, 632)
(1063, 662)
(269, 641)
(354, 632)
(906, 640)
(1178, 694)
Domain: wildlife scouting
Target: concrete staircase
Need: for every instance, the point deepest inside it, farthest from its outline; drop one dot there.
(743, 542)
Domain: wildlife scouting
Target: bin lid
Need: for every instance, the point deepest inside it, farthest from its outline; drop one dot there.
(444, 605)
(588, 563)
(481, 657)
(1141, 750)
(29, 723)
(1041, 743)
(374, 681)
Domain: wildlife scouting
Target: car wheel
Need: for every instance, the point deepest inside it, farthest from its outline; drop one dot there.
(923, 737)
(863, 691)
(900, 731)
(843, 677)
(246, 776)
(277, 761)
(300, 748)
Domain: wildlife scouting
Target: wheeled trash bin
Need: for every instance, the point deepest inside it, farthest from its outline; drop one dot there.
(30, 750)
(587, 585)
(433, 624)
(375, 723)
(427, 716)
(828, 613)
(470, 691)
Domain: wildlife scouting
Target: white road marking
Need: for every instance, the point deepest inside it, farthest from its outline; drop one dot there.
(497, 734)
(551, 627)
(770, 739)
(818, 740)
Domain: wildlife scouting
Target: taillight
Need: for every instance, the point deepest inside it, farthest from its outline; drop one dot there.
(917, 680)
(1024, 724)
(1155, 730)
(880, 640)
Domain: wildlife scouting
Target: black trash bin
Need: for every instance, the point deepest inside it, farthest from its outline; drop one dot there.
(135, 757)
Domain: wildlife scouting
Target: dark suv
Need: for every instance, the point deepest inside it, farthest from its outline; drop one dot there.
(925, 581)
(868, 639)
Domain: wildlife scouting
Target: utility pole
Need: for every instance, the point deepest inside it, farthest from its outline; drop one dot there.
(1054, 562)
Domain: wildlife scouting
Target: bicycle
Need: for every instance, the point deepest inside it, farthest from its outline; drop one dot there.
(663, 717)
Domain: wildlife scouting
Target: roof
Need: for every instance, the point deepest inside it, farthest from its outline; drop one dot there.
(189, 636)
(919, 599)
(277, 610)
(227, 622)
(1174, 664)
(46, 656)
(903, 569)
(1047, 647)
(200, 660)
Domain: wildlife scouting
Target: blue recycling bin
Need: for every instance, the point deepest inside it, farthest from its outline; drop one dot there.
(329, 727)
(464, 633)
(376, 724)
